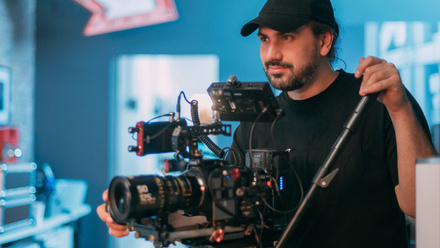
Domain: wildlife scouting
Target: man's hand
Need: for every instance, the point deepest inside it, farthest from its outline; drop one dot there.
(381, 76)
(115, 229)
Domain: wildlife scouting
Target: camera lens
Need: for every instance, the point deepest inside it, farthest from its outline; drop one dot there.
(122, 197)
(144, 196)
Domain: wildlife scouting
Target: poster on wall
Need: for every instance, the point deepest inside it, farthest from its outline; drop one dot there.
(414, 48)
(116, 15)
(5, 84)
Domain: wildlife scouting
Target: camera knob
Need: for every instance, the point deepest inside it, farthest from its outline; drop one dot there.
(132, 130)
(218, 235)
(133, 149)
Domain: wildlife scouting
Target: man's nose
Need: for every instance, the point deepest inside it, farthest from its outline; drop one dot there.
(274, 52)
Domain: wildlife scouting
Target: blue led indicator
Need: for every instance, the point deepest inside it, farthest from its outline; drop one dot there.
(281, 183)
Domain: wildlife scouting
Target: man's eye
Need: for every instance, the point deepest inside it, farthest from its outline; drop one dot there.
(263, 39)
(287, 37)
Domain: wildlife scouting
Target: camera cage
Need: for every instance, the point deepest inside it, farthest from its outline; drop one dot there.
(232, 101)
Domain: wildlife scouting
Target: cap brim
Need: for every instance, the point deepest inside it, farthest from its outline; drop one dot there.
(250, 27)
(280, 23)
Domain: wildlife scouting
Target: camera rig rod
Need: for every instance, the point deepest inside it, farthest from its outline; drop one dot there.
(321, 178)
(153, 234)
(216, 128)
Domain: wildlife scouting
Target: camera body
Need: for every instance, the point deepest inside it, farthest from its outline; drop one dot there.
(220, 193)
(212, 201)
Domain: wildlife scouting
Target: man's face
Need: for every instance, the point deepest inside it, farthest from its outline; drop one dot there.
(290, 60)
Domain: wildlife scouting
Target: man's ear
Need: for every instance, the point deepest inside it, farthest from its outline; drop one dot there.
(326, 42)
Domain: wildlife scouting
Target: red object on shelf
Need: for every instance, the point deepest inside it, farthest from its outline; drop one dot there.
(9, 144)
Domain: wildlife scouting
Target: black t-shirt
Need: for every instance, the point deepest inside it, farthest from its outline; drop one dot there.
(359, 208)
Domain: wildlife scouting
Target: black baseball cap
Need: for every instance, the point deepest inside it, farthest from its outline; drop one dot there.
(288, 15)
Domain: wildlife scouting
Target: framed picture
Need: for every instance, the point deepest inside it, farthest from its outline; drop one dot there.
(5, 95)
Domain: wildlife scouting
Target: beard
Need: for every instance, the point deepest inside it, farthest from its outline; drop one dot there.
(291, 81)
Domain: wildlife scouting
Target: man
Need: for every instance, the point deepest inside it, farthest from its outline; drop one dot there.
(364, 205)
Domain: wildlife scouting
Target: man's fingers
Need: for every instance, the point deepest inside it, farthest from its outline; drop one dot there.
(373, 72)
(373, 76)
(105, 195)
(118, 234)
(115, 229)
(375, 87)
(102, 212)
(378, 75)
(115, 226)
(365, 63)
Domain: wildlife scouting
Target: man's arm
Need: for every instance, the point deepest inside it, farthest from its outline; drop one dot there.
(412, 143)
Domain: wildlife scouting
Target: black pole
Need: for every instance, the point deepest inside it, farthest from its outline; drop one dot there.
(321, 179)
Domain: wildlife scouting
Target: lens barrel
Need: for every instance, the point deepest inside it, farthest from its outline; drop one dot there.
(134, 198)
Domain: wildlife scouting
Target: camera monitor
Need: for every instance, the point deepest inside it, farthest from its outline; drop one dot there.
(237, 101)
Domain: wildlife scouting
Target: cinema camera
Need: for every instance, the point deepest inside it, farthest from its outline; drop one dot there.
(212, 203)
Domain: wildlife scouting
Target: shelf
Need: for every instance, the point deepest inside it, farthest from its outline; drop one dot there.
(48, 224)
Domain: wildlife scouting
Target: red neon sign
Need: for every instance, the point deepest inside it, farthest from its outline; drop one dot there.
(115, 15)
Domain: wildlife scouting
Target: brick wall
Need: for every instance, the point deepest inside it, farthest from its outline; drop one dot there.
(17, 51)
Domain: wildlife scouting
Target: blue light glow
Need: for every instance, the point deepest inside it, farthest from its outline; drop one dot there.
(281, 183)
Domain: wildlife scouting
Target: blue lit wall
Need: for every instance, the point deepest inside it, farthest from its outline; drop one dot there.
(414, 47)
(359, 12)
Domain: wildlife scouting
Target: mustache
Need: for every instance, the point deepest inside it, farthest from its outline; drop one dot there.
(278, 63)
